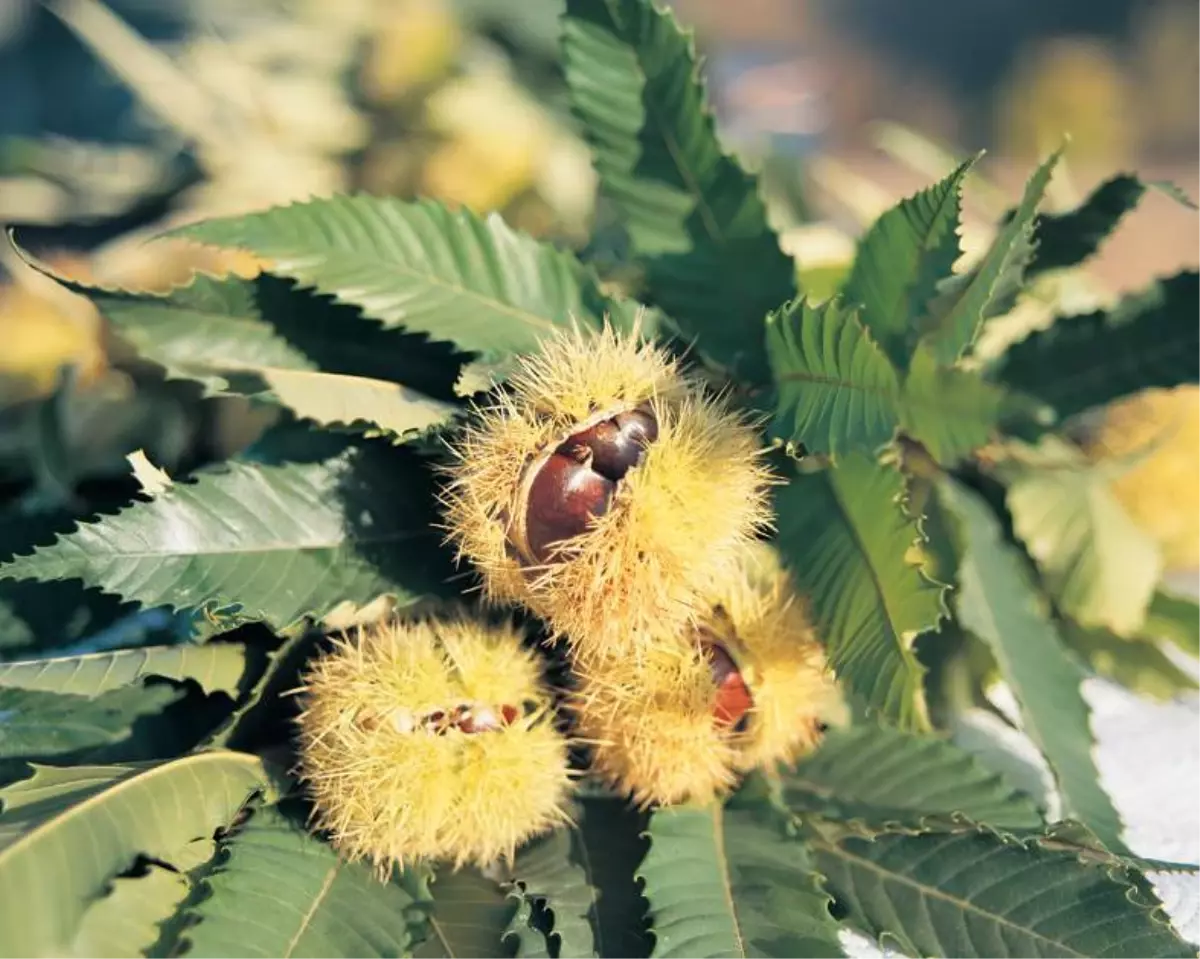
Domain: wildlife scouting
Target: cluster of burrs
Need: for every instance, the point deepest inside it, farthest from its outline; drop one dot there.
(606, 491)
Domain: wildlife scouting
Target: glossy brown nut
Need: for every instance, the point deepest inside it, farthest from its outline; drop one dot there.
(617, 444)
(733, 702)
(564, 496)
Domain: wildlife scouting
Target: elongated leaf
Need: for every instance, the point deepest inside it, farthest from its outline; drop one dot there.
(612, 846)
(998, 602)
(126, 921)
(1068, 239)
(468, 915)
(1150, 339)
(552, 872)
(1099, 565)
(693, 216)
(281, 892)
(41, 725)
(1175, 619)
(217, 667)
(473, 282)
(956, 316)
(837, 392)
(97, 819)
(902, 258)
(215, 332)
(276, 542)
(846, 538)
(1139, 665)
(977, 894)
(728, 882)
(881, 775)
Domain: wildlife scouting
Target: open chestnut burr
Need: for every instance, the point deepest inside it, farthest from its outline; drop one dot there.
(564, 490)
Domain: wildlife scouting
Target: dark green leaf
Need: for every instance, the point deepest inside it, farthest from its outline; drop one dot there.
(979, 894)
(837, 392)
(613, 846)
(845, 536)
(957, 314)
(693, 215)
(473, 282)
(901, 260)
(1067, 239)
(952, 412)
(729, 882)
(282, 892)
(219, 333)
(1150, 339)
(467, 915)
(41, 725)
(880, 775)
(97, 819)
(275, 542)
(998, 601)
(553, 873)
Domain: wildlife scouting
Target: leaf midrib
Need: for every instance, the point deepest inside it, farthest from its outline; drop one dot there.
(307, 918)
(718, 818)
(936, 893)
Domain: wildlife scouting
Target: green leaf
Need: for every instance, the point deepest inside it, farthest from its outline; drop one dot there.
(217, 332)
(1137, 664)
(953, 412)
(979, 894)
(551, 872)
(612, 846)
(1067, 239)
(1098, 564)
(880, 775)
(126, 921)
(468, 915)
(41, 725)
(1150, 339)
(473, 282)
(216, 668)
(901, 260)
(98, 819)
(281, 892)
(278, 543)
(845, 536)
(693, 216)
(956, 315)
(1175, 619)
(729, 882)
(999, 603)
(837, 392)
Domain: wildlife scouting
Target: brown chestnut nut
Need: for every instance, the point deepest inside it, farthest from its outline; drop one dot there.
(616, 444)
(564, 495)
(733, 702)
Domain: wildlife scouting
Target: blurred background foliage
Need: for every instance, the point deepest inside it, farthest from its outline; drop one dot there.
(124, 118)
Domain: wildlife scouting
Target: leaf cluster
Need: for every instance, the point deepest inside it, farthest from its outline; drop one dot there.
(932, 508)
